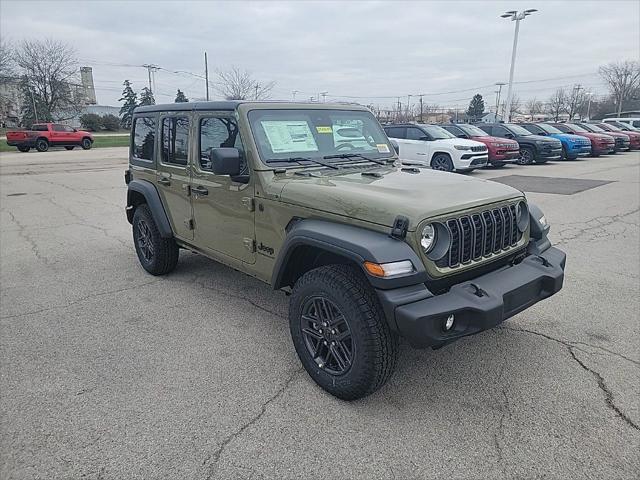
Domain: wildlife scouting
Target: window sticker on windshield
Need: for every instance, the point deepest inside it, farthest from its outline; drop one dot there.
(324, 130)
(289, 136)
(382, 147)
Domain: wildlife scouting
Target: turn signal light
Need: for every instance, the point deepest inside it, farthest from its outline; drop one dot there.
(385, 270)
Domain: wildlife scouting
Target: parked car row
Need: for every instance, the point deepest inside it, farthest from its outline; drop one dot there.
(464, 147)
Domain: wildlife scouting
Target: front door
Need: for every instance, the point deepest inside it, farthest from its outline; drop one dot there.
(417, 146)
(222, 206)
(173, 175)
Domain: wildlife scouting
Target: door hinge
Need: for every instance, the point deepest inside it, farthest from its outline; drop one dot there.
(249, 203)
(187, 189)
(249, 244)
(189, 223)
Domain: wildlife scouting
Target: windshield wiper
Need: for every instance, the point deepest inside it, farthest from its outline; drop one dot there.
(355, 155)
(299, 161)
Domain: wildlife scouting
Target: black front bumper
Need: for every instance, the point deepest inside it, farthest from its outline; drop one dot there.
(476, 305)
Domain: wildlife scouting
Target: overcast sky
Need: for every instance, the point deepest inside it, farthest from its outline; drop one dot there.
(351, 49)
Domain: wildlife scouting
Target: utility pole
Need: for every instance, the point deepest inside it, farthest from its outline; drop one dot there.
(421, 120)
(498, 92)
(150, 68)
(408, 106)
(589, 95)
(293, 93)
(574, 100)
(257, 87)
(206, 74)
(324, 97)
(516, 17)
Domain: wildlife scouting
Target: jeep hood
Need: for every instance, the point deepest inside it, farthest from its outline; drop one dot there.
(380, 200)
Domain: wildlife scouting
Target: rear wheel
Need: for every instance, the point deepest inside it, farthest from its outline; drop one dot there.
(526, 156)
(42, 145)
(157, 255)
(442, 162)
(24, 149)
(340, 333)
(70, 147)
(86, 143)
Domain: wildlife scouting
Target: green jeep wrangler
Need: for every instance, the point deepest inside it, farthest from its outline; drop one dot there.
(313, 200)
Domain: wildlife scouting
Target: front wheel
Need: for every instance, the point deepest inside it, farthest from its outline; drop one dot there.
(340, 333)
(442, 162)
(157, 255)
(86, 144)
(24, 149)
(526, 156)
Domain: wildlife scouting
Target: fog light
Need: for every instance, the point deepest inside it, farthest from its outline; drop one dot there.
(449, 323)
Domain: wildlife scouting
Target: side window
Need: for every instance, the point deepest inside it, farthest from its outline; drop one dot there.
(175, 140)
(415, 133)
(69, 129)
(217, 132)
(499, 131)
(144, 136)
(486, 128)
(395, 132)
(58, 128)
(536, 130)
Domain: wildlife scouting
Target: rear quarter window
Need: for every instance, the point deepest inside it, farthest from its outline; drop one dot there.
(144, 138)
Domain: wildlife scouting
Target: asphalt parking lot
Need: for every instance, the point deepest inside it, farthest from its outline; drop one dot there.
(108, 373)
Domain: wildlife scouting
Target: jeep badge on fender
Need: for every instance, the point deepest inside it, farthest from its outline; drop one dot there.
(369, 251)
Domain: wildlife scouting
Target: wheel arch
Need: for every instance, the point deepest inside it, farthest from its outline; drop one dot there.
(313, 243)
(142, 191)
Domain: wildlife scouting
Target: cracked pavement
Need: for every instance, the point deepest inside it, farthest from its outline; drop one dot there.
(109, 373)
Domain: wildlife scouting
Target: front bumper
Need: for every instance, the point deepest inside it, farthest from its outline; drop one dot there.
(549, 153)
(502, 156)
(471, 161)
(478, 304)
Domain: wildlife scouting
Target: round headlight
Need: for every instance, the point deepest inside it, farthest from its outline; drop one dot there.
(428, 238)
(522, 216)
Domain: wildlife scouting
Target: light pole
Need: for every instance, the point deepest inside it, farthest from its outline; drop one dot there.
(515, 17)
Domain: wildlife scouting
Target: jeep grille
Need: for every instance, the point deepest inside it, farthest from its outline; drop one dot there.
(480, 235)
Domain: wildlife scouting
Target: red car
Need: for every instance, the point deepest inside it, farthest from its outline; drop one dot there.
(634, 137)
(501, 150)
(601, 144)
(622, 141)
(45, 135)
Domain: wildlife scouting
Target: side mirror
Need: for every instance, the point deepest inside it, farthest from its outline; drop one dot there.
(424, 139)
(461, 135)
(543, 134)
(225, 161)
(509, 135)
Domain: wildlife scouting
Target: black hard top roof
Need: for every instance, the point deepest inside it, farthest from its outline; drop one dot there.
(188, 106)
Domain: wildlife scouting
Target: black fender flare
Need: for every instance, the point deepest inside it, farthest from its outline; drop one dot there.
(354, 243)
(152, 197)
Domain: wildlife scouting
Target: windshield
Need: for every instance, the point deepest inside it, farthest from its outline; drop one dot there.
(472, 131)
(518, 130)
(548, 128)
(593, 128)
(295, 135)
(577, 128)
(436, 132)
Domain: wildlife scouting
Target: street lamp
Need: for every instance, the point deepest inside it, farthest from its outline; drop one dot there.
(515, 17)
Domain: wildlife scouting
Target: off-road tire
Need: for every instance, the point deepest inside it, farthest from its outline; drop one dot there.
(165, 251)
(375, 346)
(86, 143)
(42, 145)
(527, 156)
(69, 147)
(442, 162)
(24, 149)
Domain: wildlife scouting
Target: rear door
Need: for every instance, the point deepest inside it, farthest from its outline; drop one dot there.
(173, 175)
(58, 134)
(417, 146)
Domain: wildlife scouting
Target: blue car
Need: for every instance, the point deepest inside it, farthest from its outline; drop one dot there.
(573, 146)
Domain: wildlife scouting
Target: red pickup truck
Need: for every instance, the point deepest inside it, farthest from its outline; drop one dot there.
(45, 135)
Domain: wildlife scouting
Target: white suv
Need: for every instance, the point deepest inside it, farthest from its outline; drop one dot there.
(432, 146)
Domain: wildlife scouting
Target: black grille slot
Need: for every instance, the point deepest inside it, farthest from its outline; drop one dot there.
(480, 235)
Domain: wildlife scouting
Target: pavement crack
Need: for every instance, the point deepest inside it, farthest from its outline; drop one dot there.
(79, 300)
(27, 238)
(598, 377)
(213, 460)
(595, 228)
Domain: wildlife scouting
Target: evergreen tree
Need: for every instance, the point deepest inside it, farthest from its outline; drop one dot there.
(181, 97)
(130, 99)
(146, 97)
(476, 107)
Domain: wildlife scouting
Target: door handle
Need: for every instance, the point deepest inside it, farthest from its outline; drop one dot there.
(164, 181)
(199, 190)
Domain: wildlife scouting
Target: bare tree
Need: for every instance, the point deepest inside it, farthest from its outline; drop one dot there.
(239, 84)
(623, 79)
(6, 59)
(575, 101)
(557, 104)
(49, 69)
(533, 107)
(515, 105)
